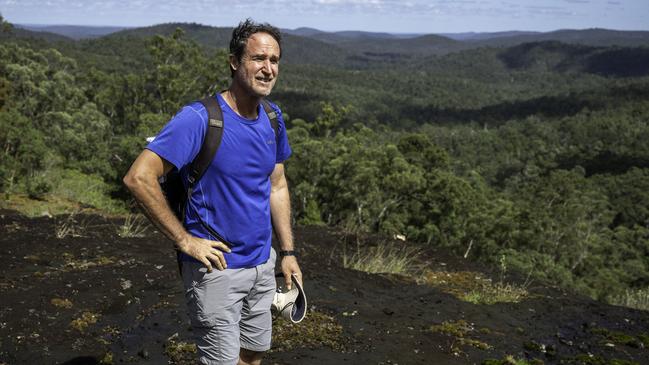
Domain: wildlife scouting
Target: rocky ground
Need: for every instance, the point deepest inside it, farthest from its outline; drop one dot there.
(94, 297)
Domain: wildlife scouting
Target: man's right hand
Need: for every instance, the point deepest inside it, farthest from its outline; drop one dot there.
(210, 253)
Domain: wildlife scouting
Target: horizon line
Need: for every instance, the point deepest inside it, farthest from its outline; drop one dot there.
(331, 31)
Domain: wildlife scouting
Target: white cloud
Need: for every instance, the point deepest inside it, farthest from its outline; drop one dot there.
(391, 15)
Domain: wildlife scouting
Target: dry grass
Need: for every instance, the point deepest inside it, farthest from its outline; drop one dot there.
(69, 227)
(72, 263)
(461, 332)
(497, 293)
(384, 258)
(637, 299)
(83, 322)
(180, 352)
(501, 292)
(61, 303)
(135, 225)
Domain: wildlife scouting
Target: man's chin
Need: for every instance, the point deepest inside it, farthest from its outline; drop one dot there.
(263, 91)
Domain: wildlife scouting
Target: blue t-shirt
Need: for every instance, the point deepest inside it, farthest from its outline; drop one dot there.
(233, 196)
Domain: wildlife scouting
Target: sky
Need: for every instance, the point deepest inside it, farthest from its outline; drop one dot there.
(408, 16)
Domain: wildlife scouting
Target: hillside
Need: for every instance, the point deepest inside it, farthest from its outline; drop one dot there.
(561, 57)
(92, 297)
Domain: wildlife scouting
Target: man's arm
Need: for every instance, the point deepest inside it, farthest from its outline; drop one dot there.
(142, 181)
(280, 210)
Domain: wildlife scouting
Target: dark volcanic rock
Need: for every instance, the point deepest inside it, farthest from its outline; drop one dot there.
(96, 298)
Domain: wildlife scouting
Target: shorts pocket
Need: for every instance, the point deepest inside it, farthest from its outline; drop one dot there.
(206, 296)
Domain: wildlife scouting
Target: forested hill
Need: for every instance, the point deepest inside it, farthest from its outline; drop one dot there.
(534, 155)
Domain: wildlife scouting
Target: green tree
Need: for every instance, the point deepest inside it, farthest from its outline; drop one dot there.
(181, 71)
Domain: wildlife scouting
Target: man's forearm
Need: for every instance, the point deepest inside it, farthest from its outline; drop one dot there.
(280, 208)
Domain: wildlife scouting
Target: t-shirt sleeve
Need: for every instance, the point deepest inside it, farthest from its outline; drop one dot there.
(283, 147)
(181, 138)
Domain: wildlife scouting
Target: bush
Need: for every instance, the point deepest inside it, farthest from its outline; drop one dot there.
(37, 187)
(86, 189)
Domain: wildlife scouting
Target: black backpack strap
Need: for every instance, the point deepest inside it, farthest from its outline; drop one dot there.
(272, 116)
(205, 155)
(211, 142)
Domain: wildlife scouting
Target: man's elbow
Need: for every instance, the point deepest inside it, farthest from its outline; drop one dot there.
(279, 186)
(144, 172)
(134, 180)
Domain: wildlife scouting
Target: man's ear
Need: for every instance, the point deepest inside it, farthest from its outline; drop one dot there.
(234, 63)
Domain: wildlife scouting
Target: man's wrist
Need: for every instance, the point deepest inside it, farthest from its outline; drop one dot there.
(284, 253)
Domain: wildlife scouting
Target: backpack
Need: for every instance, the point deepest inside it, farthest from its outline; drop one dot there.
(176, 193)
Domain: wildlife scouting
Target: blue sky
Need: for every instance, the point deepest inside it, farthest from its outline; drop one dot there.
(408, 16)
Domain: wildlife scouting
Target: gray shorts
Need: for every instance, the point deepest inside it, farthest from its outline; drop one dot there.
(229, 309)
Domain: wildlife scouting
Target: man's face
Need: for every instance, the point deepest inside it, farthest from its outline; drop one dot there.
(259, 66)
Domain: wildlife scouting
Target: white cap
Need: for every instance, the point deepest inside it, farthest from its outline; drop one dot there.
(290, 304)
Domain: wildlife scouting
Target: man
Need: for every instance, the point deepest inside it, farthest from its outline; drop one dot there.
(243, 190)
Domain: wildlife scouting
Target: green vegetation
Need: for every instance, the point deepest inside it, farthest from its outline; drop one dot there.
(498, 293)
(84, 321)
(316, 330)
(537, 152)
(501, 292)
(179, 352)
(618, 338)
(461, 332)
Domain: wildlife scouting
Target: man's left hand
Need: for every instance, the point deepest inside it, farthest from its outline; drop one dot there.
(290, 267)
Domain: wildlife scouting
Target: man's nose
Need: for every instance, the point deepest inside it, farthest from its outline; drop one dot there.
(267, 67)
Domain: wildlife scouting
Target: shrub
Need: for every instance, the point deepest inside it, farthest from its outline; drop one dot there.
(86, 189)
(37, 187)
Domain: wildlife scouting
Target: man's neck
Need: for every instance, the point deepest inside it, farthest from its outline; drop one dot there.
(241, 102)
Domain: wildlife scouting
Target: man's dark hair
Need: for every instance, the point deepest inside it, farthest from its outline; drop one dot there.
(244, 30)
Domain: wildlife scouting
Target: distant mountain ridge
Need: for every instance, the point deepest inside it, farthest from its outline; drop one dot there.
(356, 48)
(477, 36)
(73, 31)
(589, 37)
